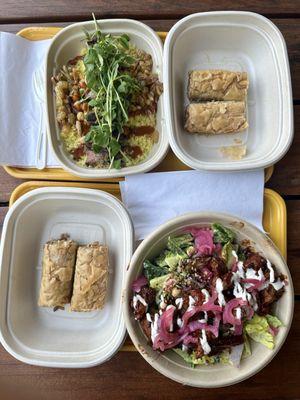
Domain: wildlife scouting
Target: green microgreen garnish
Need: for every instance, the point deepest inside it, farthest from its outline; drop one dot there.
(112, 86)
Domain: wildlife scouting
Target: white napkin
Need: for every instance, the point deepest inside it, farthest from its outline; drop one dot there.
(20, 112)
(154, 198)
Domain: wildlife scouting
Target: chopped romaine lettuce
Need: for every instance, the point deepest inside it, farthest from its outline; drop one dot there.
(258, 330)
(179, 242)
(247, 347)
(158, 282)
(153, 271)
(227, 254)
(191, 359)
(273, 321)
(221, 234)
(170, 259)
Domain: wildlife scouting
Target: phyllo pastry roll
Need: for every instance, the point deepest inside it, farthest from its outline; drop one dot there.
(216, 117)
(57, 272)
(217, 85)
(91, 275)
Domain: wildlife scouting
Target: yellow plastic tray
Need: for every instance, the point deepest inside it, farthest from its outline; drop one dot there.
(274, 217)
(170, 163)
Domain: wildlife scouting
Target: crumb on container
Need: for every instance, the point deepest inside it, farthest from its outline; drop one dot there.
(234, 152)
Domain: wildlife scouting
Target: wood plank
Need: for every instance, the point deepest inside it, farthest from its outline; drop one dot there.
(286, 177)
(7, 185)
(127, 375)
(64, 10)
(293, 248)
(290, 29)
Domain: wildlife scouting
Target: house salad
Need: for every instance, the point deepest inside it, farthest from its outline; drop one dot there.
(206, 296)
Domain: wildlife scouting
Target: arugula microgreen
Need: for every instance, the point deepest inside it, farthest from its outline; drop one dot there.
(111, 86)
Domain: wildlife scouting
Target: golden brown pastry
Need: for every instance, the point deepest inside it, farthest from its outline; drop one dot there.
(206, 85)
(216, 117)
(57, 273)
(91, 275)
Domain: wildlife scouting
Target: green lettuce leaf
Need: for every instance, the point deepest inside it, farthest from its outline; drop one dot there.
(153, 271)
(221, 234)
(179, 242)
(170, 259)
(191, 359)
(247, 347)
(158, 282)
(258, 330)
(273, 321)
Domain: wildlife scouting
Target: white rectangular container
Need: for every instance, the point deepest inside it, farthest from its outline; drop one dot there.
(237, 41)
(66, 45)
(38, 335)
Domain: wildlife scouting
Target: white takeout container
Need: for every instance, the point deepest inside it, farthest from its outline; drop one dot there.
(67, 44)
(238, 41)
(169, 363)
(38, 335)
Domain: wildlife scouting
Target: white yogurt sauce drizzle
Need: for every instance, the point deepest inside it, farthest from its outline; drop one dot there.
(204, 343)
(179, 303)
(238, 312)
(272, 274)
(148, 316)
(179, 322)
(191, 302)
(154, 327)
(139, 298)
(219, 289)
(206, 294)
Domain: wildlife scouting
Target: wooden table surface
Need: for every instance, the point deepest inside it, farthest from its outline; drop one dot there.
(127, 375)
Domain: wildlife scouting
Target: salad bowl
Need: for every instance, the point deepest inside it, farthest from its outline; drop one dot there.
(169, 363)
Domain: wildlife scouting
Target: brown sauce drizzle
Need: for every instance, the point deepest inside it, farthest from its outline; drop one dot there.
(134, 151)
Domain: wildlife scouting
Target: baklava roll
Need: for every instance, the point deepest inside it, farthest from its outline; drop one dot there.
(57, 272)
(216, 117)
(91, 275)
(217, 85)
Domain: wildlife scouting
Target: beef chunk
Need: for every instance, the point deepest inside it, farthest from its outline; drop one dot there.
(139, 311)
(199, 351)
(148, 294)
(266, 298)
(255, 261)
(218, 266)
(78, 152)
(146, 326)
(226, 342)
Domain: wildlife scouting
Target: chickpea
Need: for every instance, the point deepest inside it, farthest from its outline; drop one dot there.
(80, 116)
(77, 106)
(85, 107)
(75, 96)
(176, 292)
(71, 119)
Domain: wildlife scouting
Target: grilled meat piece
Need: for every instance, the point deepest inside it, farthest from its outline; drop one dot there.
(146, 326)
(266, 298)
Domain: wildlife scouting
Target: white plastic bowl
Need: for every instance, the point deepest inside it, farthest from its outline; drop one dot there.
(169, 363)
(238, 41)
(67, 44)
(37, 335)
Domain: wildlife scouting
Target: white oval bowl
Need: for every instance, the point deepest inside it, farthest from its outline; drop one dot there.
(64, 339)
(169, 363)
(67, 44)
(238, 41)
